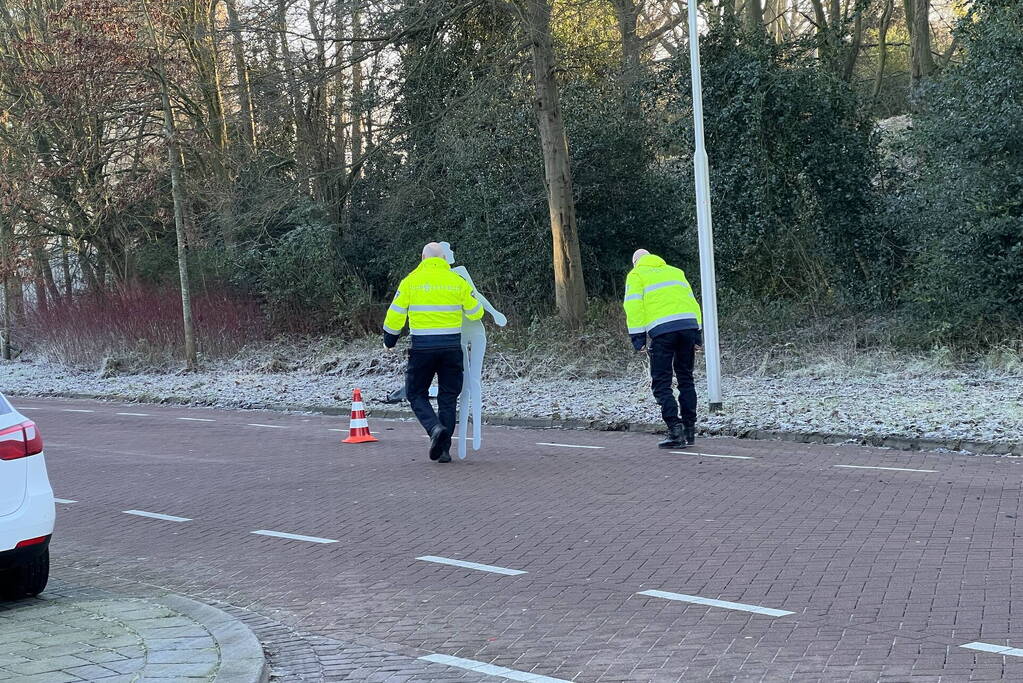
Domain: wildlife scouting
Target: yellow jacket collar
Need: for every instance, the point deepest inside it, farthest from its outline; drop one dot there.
(434, 262)
(650, 261)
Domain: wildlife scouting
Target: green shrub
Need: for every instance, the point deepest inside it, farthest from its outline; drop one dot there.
(302, 278)
(963, 209)
(791, 156)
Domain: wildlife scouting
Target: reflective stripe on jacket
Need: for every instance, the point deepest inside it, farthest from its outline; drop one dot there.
(658, 299)
(432, 299)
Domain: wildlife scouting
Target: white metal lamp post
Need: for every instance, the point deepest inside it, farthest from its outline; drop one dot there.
(708, 285)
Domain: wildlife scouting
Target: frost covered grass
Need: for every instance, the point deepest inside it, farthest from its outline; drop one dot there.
(786, 369)
(863, 393)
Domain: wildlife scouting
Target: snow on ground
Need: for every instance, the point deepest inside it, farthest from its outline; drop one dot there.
(890, 401)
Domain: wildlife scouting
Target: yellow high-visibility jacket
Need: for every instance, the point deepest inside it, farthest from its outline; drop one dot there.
(658, 299)
(433, 300)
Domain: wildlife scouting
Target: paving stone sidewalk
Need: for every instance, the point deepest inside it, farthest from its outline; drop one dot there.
(292, 654)
(73, 633)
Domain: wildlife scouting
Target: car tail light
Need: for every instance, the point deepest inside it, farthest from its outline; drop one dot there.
(33, 439)
(30, 541)
(20, 441)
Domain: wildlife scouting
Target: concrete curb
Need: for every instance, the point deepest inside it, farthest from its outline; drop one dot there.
(880, 441)
(902, 443)
(241, 656)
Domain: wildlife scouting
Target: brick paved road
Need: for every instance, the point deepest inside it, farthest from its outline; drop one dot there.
(886, 572)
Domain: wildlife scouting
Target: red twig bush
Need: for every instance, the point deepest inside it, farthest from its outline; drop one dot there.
(142, 322)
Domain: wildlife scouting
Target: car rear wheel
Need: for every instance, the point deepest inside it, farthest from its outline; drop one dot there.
(29, 579)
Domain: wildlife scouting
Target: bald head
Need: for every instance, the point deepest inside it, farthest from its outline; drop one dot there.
(638, 254)
(433, 250)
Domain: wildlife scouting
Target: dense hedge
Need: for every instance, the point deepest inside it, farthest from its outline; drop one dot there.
(961, 211)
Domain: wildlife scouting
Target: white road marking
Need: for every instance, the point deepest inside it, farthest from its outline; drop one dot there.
(490, 669)
(1003, 650)
(156, 515)
(680, 597)
(78, 410)
(568, 445)
(890, 469)
(64, 501)
(196, 419)
(27, 408)
(293, 537)
(256, 424)
(710, 455)
(134, 414)
(471, 565)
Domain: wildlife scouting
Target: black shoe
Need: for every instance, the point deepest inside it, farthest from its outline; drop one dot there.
(444, 457)
(676, 437)
(690, 432)
(440, 441)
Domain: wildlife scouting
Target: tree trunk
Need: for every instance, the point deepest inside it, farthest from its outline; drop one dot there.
(90, 272)
(7, 278)
(204, 49)
(823, 34)
(242, 74)
(317, 110)
(357, 104)
(302, 162)
(627, 14)
(51, 282)
(921, 60)
(369, 127)
(65, 265)
(882, 47)
(39, 279)
(753, 18)
(17, 299)
(212, 86)
(177, 192)
(178, 196)
(855, 43)
(338, 201)
(100, 271)
(569, 287)
(777, 19)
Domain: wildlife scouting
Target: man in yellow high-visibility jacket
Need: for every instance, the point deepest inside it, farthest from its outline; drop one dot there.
(659, 304)
(432, 299)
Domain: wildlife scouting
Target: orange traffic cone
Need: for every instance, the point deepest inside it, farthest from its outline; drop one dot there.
(358, 429)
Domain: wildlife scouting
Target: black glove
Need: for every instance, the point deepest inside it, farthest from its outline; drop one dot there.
(638, 340)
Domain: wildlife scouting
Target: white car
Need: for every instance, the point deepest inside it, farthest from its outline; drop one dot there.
(27, 509)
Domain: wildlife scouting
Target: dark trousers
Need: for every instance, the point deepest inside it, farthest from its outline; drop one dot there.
(674, 353)
(423, 365)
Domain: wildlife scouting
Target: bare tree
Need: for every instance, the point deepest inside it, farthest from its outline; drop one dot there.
(6, 267)
(569, 287)
(241, 74)
(357, 89)
(177, 192)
